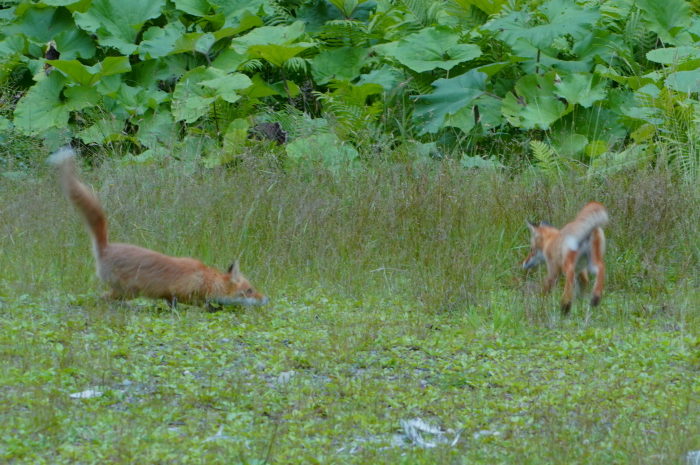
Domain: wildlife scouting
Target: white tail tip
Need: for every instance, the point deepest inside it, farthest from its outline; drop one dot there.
(61, 155)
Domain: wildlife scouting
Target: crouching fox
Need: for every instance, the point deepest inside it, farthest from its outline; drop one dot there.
(132, 271)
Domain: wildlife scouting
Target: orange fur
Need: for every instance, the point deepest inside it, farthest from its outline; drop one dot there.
(132, 271)
(565, 249)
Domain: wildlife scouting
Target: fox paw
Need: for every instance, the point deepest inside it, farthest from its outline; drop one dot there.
(565, 307)
(595, 300)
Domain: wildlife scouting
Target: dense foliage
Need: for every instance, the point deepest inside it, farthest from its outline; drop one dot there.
(606, 83)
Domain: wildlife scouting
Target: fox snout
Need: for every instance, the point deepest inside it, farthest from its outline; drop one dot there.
(534, 259)
(247, 301)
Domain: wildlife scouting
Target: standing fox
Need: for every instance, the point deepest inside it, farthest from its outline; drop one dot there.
(562, 249)
(131, 271)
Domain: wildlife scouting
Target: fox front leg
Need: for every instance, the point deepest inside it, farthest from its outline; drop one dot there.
(550, 280)
(570, 285)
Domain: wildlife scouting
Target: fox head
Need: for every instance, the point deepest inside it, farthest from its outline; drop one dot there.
(238, 291)
(538, 233)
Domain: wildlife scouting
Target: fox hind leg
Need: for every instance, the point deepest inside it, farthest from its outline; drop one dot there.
(570, 284)
(597, 265)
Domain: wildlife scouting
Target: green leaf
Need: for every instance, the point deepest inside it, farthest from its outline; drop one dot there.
(74, 43)
(87, 76)
(342, 63)
(278, 54)
(673, 55)
(563, 17)
(193, 7)
(160, 41)
(268, 35)
(449, 97)
(59, 2)
(489, 7)
(41, 107)
(581, 88)
(117, 23)
(102, 131)
(226, 85)
(200, 87)
(684, 81)
(156, 129)
(235, 11)
(429, 49)
(259, 88)
(80, 97)
(568, 144)
(387, 77)
(533, 103)
(666, 18)
(539, 60)
(229, 60)
(40, 24)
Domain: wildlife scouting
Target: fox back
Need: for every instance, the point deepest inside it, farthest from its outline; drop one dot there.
(133, 271)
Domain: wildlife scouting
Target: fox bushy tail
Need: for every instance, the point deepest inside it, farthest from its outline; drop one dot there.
(593, 215)
(81, 196)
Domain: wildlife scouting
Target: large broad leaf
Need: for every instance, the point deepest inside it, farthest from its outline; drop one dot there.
(674, 55)
(581, 88)
(268, 35)
(545, 59)
(278, 54)
(684, 81)
(89, 75)
(564, 17)
(74, 43)
(338, 63)
(487, 6)
(450, 96)
(40, 24)
(645, 105)
(117, 23)
(160, 41)
(104, 130)
(666, 18)
(429, 49)
(533, 103)
(41, 108)
(234, 11)
(59, 2)
(387, 77)
(193, 7)
(156, 128)
(200, 87)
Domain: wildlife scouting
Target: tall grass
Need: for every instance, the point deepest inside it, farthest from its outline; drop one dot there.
(396, 294)
(441, 235)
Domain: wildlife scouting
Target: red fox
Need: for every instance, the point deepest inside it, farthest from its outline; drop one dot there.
(133, 271)
(563, 249)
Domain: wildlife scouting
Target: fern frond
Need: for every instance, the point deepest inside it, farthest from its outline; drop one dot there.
(297, 65)
(281, 15)
(420, 84)
(545, 156)
(349, 117)
(252, 66)
(345, 33)
(426, 12)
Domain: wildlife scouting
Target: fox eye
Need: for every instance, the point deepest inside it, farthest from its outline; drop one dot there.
(248, 291)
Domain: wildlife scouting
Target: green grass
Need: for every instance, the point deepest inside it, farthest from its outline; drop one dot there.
(396, 295)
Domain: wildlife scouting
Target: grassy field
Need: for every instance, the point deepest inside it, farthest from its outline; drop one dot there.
(396, 296)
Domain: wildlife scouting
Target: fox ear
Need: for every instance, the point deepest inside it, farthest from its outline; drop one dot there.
(234, 271)
(531, 226)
